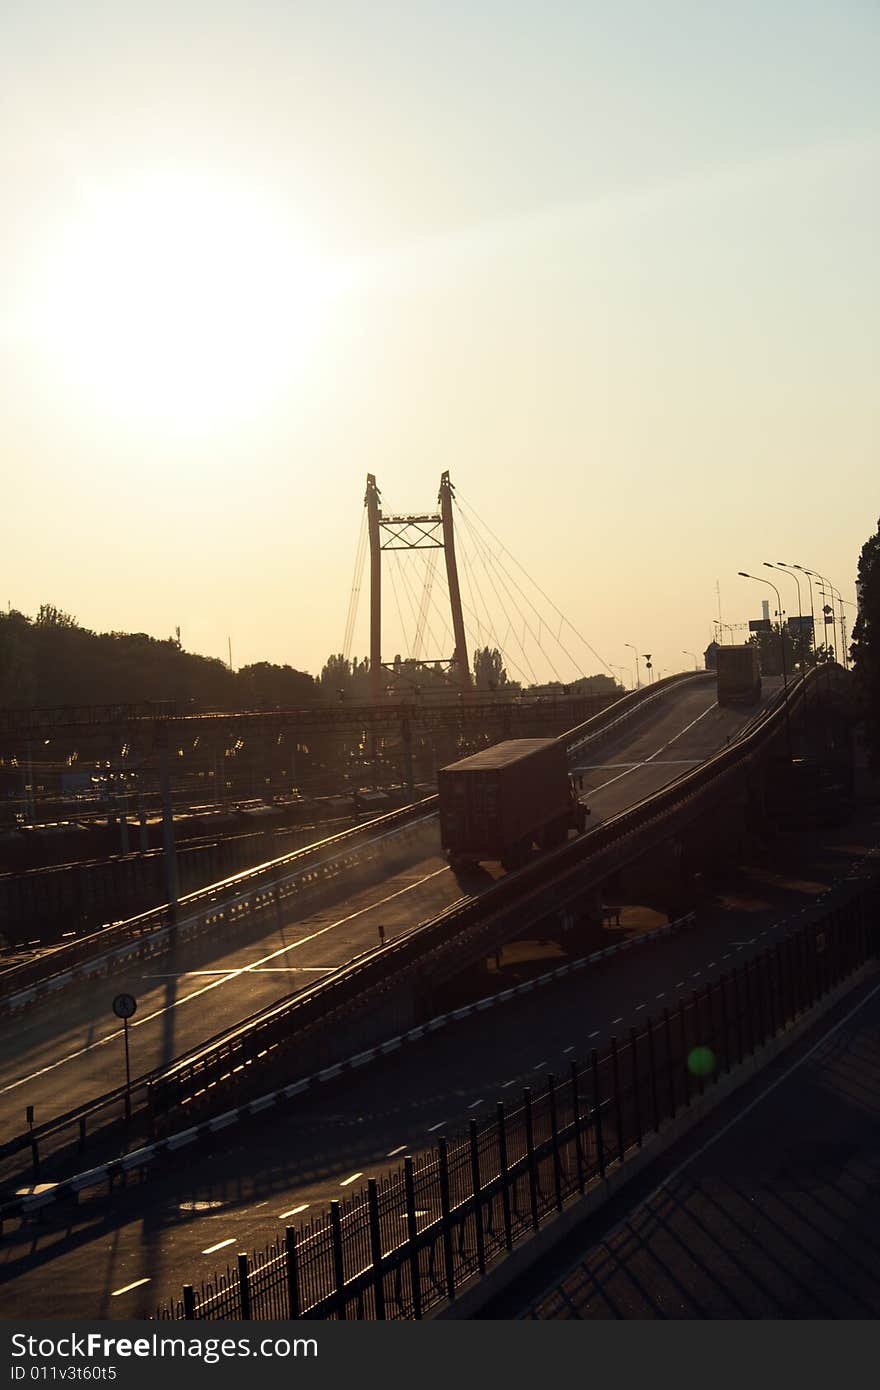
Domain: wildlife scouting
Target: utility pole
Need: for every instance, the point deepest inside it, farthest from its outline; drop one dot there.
(371, 502)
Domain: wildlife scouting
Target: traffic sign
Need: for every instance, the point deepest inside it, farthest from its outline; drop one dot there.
(124, 1005)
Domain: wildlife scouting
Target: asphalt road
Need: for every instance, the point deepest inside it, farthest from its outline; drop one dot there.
(115, 1256)
(68, 1049)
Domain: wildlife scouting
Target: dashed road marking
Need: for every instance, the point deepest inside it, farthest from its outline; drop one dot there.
(568, 1049)
(596, 1034)
(505, 1084)
(293, 1211)
(221, 1244)
(394, 1152)
(639, 1006)
(474, 1103)
(346, 1182)
(438, 1125)
(128, 1287)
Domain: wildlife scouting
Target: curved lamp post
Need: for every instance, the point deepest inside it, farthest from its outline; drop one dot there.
(758, 580)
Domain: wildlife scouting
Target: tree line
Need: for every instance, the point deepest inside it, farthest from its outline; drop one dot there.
(51, 660)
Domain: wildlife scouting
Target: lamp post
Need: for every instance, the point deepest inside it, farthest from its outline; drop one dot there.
(812, 611)
(779, 565)
(824, 582)
(625, 669)
(684, 652)
(634, 649)
(758, 580)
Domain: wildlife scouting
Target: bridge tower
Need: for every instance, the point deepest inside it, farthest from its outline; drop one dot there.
(417, 532)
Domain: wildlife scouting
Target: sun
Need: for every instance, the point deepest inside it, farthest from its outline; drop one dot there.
(180, 301)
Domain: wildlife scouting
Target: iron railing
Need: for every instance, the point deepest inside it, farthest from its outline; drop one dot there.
(410, 1241)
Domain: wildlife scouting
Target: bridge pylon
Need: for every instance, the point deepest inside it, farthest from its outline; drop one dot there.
(433, 531)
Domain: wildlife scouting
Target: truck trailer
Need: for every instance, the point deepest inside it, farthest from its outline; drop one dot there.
(738, 674)
(496, 804)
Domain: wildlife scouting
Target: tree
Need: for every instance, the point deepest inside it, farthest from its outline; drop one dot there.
(489, 670)
(865, 648)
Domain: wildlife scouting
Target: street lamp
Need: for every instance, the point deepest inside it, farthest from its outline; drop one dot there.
(685, 652)
(758, 580)
(625, 669)
(634, 649)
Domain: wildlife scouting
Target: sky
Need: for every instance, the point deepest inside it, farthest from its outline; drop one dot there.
(612, 266)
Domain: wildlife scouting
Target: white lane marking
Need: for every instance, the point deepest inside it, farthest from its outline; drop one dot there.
(696, 973)
(596, 1034)
(653, 756)
(680, 984)
(431, 1128)
(234, 970)
(293, 1211)
(726, 957)
(232, 975)
(538, 1066)
(568, 1049)
(711, 963)
(474, 1103)
(354, 1177)
(221, 1244)
(505, 1084)
(128, 1287)
(616, 1020)
(661, 994)
(395, 1152)
(639, 1006)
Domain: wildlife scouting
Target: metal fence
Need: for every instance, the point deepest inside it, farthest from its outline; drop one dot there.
(409, 1241)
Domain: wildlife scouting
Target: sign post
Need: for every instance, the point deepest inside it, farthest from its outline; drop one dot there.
(124, 1006)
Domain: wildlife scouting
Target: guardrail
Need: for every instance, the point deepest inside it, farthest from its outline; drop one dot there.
(202, 909)
(225, 1064)
(465, 1204)
(205, 908)
(533, 893)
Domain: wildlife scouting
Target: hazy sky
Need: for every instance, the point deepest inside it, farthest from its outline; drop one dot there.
(614, 266)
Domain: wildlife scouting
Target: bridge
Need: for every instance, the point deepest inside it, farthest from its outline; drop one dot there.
(344, 988)
(651, 767)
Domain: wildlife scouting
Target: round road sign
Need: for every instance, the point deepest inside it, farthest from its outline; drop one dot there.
(124, 1005)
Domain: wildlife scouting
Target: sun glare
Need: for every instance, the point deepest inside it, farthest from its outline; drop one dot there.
(180, 302)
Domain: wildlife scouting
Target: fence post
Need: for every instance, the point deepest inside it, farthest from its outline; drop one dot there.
(530, 1154)
(770, 977)
(446, 1218)
(376, 1247)
(412, 1235)
(725, 1022)
(576, 1121)
(505, 1178)
(698, 1030)
(634, 1064)
(292, 1272)
(618, 1109)
(684, 1053)
(244, 1288)
(597, 1113)
(189, 1303)
(338, 1269)
(554, 1138)
(793, 981)
(478, 1201)
(670, 1069)
(652, 1066)
(750, 1015)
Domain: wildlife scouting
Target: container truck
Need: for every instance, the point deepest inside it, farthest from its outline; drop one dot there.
(496, 804)
(738, 674)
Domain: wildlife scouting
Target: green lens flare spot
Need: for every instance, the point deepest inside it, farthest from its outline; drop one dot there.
(701, 1061)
